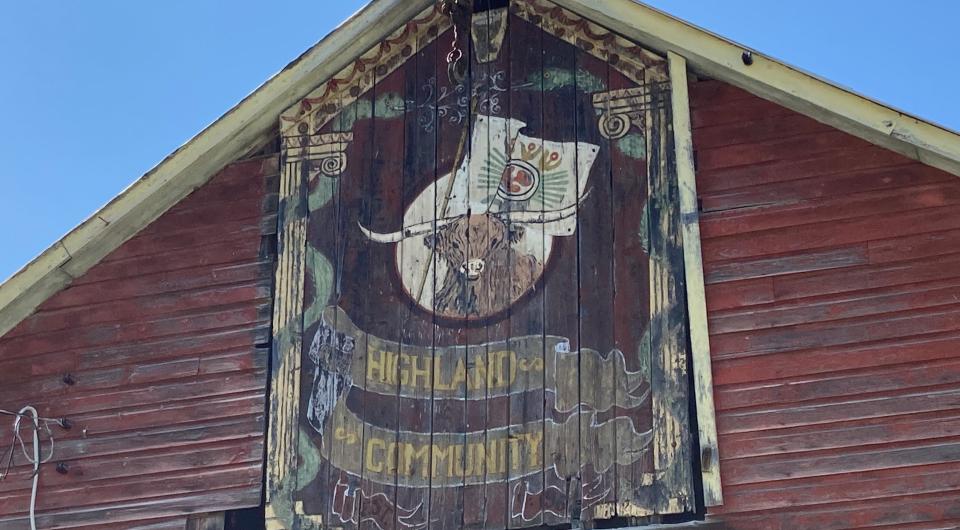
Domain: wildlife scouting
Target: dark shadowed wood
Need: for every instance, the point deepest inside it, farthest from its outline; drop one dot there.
(501, 378)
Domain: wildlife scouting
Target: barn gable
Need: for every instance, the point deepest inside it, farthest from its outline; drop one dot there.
(251, 124)
(148, 303)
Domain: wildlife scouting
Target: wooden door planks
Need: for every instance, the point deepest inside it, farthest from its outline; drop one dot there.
(524, 50)
(512, 399)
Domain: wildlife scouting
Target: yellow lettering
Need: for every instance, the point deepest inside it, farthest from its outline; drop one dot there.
(439, 454)
(391, 458)
(478, 375)
(375, 367)
(456, 463)
(476, 459)
(459, 374)
(391, 367)
(378, 445)
(417, 374)
(500, 446)
(515, 463)
(533, 444)
(437, 373)
(411, 456)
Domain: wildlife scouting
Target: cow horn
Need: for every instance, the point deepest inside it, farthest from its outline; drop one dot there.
(418, 229)
(544, 217)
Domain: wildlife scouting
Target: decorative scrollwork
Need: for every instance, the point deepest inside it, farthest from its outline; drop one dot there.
(322, 154)
(615, 126)
(623, 109)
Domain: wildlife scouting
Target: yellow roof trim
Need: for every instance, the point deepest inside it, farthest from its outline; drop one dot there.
(768, 78)
(254, 120)
(250, 123)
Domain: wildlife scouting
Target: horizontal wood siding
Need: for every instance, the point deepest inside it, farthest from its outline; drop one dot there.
(833, 291)
(167, 343)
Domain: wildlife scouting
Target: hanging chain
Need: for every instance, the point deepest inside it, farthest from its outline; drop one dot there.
(459, 15)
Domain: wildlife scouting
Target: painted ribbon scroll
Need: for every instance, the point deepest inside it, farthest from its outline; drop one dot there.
(479, 345)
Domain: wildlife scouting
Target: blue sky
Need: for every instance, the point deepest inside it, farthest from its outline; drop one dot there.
(95, 93)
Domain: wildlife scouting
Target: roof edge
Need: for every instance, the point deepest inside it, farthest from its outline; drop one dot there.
(776, 81)
(248, 124)
(253, 121)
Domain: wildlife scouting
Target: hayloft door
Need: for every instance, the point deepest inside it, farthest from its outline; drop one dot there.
(480, 321)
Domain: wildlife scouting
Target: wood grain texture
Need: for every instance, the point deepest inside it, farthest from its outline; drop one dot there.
(693, 279)
(468, 358)
(831, 291)
(169, 367)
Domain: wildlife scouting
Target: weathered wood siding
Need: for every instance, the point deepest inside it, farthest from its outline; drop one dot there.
(833, 292)
(480, 309)
(167, 343)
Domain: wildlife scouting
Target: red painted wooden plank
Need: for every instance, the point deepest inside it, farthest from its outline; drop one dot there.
(752, 128)
(228, 249)
(139, 510)
(836, 333)
(932, 244)
(819, 283)
(712, 94)
(775, 149)
(854, 460)
(172, 347)
(125, 397)
(745, 269)
(739, 294)
(247, 314)
(76, 318)
(820, 186)
(855, 487)
(836, 307)
(894, 511)
(163, 436)
(843, 434)
(167, 282)
(135, 467)
(788, 216)
(861, 382)
(191, 236)
(875, 406)
(792, 364)
(860, 162)
(832, 233)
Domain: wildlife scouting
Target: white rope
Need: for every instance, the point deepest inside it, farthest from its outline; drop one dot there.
(30, 413)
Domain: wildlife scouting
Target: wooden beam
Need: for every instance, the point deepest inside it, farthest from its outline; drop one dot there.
(190, 166)
(770, 79)
(693, 268)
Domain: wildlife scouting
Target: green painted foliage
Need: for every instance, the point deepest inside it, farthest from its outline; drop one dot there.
(633, 145)
(554, 78)
(320, 273)
(389, 105)
(309, 463)
(322, 193)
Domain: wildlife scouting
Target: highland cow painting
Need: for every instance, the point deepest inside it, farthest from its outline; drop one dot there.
(483, 232)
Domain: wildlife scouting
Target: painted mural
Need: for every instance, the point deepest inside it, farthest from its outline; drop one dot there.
(477, 346)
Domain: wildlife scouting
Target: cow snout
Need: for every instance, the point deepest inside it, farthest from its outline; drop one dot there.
(472, 268)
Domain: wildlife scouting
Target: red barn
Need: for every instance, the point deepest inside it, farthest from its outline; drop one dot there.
(504, 264)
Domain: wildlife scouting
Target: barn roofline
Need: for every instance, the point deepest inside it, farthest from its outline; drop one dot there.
(252, 122)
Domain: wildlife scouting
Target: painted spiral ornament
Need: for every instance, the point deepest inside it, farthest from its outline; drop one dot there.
(614, 126)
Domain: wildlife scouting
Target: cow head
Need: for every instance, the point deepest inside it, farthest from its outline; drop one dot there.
(467, 242)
